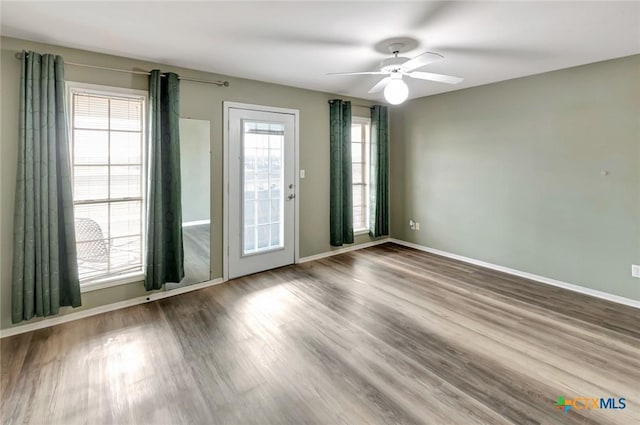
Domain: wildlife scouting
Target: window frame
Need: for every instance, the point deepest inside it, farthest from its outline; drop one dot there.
(365, 128)
(71, 88)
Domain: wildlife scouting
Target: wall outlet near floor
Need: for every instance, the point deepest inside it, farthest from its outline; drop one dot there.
(635, 271)
(414, 225)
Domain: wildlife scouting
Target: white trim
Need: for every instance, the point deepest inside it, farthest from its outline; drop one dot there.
(342, 250)
(113, 280)
(569, 286)
(105, 308)
(72, 87)
(366, 162)
(105, 90)
(226, 105)
(296, 205)
(195, 223)
(225, 191)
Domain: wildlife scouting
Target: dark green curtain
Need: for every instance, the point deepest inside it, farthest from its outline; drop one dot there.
(45, 268)
(341, 201)
(379, 172)
(165, 253)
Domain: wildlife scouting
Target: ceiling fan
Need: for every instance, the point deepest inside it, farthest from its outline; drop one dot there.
(396, 90)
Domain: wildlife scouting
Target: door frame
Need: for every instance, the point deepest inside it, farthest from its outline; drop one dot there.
(226, 105)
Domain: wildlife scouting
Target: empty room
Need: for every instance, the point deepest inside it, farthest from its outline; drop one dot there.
(320, 212)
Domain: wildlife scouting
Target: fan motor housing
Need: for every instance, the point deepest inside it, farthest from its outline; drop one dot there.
(392, 64)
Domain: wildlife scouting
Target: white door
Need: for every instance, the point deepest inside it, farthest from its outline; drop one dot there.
(261, 210)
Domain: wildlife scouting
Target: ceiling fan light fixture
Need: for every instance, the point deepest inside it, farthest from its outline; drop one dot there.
(396, 92)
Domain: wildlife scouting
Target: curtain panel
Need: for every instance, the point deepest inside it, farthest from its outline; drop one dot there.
(45, 268)
(164, 260)
(379, 172)
(341, 198)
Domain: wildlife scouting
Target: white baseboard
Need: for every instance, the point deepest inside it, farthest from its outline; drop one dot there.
(342, 250)
(165, 294)
(569, 286)
(45, 323)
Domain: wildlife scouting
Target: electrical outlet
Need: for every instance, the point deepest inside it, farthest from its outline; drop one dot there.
(412, 225)
(635, 271)
(417, 226)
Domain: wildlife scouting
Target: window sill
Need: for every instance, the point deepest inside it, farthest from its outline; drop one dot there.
(108, 282)
(361, 232)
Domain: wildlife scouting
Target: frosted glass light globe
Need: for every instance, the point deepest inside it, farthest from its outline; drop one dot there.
(396, 92)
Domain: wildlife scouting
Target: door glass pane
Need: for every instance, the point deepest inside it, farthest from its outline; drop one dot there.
(263, 180)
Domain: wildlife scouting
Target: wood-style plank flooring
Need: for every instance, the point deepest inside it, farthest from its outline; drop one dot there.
(385, 335)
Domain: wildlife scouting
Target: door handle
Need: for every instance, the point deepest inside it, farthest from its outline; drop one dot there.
(291, 196)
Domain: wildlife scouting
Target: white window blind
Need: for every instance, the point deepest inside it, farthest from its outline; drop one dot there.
(360, 172)
(107, 155)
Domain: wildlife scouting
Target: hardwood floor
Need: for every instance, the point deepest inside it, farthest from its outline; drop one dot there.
(385, 335)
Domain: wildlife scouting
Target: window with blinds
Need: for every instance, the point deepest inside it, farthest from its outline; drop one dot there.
(107, 150)
(360, 172)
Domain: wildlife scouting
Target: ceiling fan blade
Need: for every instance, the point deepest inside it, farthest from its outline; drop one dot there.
(441, 78)
(357, 73)
(380, 86)
(421, 60)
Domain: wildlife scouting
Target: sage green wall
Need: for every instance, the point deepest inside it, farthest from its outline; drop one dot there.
(510, 174)
(195, 140)
(197, 101)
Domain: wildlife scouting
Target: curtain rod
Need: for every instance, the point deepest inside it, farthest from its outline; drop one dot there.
(217, 83)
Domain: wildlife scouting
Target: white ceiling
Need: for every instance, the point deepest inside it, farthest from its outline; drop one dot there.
(297, 43)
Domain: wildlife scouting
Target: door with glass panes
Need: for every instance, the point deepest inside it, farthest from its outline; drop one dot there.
(261, 188)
